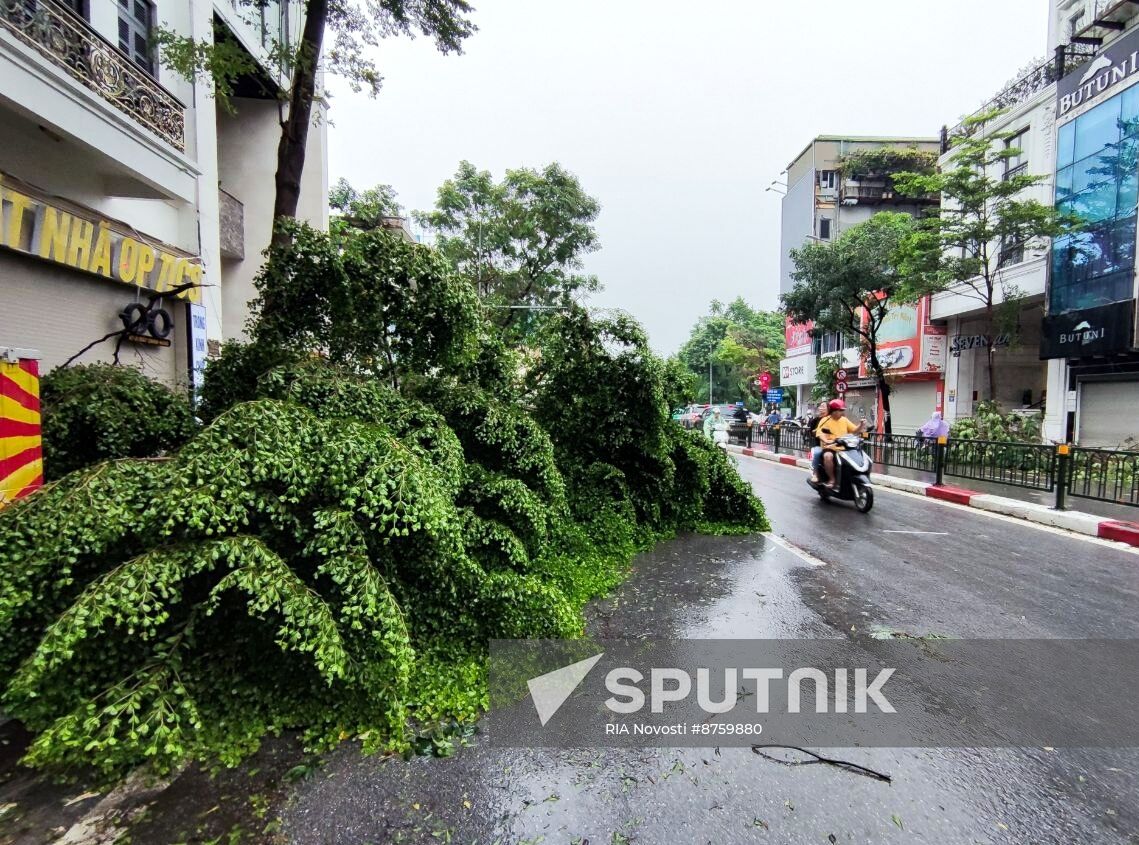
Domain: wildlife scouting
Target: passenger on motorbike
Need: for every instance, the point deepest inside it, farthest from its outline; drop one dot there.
(813, 441)
(832, 427)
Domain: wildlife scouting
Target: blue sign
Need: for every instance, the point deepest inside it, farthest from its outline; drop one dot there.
(775, 395)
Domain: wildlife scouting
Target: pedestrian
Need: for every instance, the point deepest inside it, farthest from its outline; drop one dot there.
(711, 422)
(934, 428)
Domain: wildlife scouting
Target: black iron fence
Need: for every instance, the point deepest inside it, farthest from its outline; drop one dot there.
(1104, 475)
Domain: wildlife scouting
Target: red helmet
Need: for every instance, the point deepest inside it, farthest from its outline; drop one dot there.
(836, 405)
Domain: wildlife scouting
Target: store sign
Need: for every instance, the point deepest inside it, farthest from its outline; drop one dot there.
(798, 370)
(1091, 331)
(899, 343)
(1114, 68)
(79, 238)
(797, 337)
(933, 349)
(962, 342)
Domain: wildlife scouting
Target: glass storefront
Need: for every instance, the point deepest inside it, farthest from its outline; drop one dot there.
(1097, 179)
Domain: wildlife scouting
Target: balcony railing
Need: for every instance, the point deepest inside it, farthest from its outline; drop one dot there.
(69, 43)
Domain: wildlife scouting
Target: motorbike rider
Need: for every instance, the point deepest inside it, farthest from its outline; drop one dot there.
(740, 413)
(813, 441)
(830, 428)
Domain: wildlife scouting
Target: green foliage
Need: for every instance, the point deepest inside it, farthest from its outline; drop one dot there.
(387, 307)
(361, 210)
(100, 412)
(520, 241)
(739, 342)
(680, 383)
(826, 368)
(356, 27)
(989, 423)
(983, 211)
(333, 551)
(849, 284)
(886, 161)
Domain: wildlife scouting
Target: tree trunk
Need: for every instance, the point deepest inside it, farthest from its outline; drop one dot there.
(884, 392)
(990, 351)
(294, 133)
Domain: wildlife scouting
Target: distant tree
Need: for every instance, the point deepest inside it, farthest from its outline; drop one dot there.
(520, 241)
(361, 210)
(849, 284)
(357, 26)
(983, 226)
(738, 341)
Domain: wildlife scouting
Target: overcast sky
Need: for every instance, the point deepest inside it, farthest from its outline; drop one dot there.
(675, 121)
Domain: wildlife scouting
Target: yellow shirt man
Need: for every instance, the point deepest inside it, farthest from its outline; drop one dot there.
(831, 427)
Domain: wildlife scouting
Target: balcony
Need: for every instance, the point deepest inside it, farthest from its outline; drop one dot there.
(69, 43)
(232, 216)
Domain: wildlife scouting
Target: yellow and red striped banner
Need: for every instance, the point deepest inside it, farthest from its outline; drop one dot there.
(21, 453)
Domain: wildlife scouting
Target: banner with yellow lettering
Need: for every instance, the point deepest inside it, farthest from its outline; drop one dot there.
(78, 237)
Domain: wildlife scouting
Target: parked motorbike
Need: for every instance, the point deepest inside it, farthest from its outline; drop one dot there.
(852, 465)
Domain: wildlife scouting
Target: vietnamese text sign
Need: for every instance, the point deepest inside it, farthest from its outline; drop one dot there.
(80, 239)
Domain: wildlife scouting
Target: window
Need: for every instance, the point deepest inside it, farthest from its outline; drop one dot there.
(1011, 252)
(826, 180)
(1098, 180)
(1075, 22)
(1017, 161)
(135, 19)
(825, 228)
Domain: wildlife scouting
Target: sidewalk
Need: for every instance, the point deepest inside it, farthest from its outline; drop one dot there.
(1094, 525)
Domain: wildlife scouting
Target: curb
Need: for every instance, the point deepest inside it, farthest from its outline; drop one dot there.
(1081, 523)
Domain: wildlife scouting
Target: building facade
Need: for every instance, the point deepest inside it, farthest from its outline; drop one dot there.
(1088, 334)
(1020, 269)
(821, 202)
(120, 179)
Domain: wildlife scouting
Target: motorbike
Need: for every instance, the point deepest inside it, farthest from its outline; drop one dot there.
(852, 465)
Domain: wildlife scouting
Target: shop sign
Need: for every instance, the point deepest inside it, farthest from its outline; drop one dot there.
(1091, 331)
(798, 370)
(78, 237)
(1114, 68)
(961, 342)
(797, 337)
(933, 349)
(899, 345)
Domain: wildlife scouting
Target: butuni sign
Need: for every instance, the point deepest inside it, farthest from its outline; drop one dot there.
(1116, 66)
(80, 239)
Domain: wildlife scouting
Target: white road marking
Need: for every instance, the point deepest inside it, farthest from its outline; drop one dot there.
(893, 531)
(802, 554)
(1025, 523)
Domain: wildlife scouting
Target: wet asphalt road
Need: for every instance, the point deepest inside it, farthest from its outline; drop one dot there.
(983, 577)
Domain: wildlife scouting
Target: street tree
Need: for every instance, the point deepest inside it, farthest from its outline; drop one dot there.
(363, 211)
(984, 226)
(353, 28)
(735, 342)
(848, 285)
(520, 241)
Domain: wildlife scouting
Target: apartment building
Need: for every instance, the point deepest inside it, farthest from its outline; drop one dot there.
(823, 200)
(120, 179)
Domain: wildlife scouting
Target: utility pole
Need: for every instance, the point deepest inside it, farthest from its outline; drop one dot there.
(709, 381)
